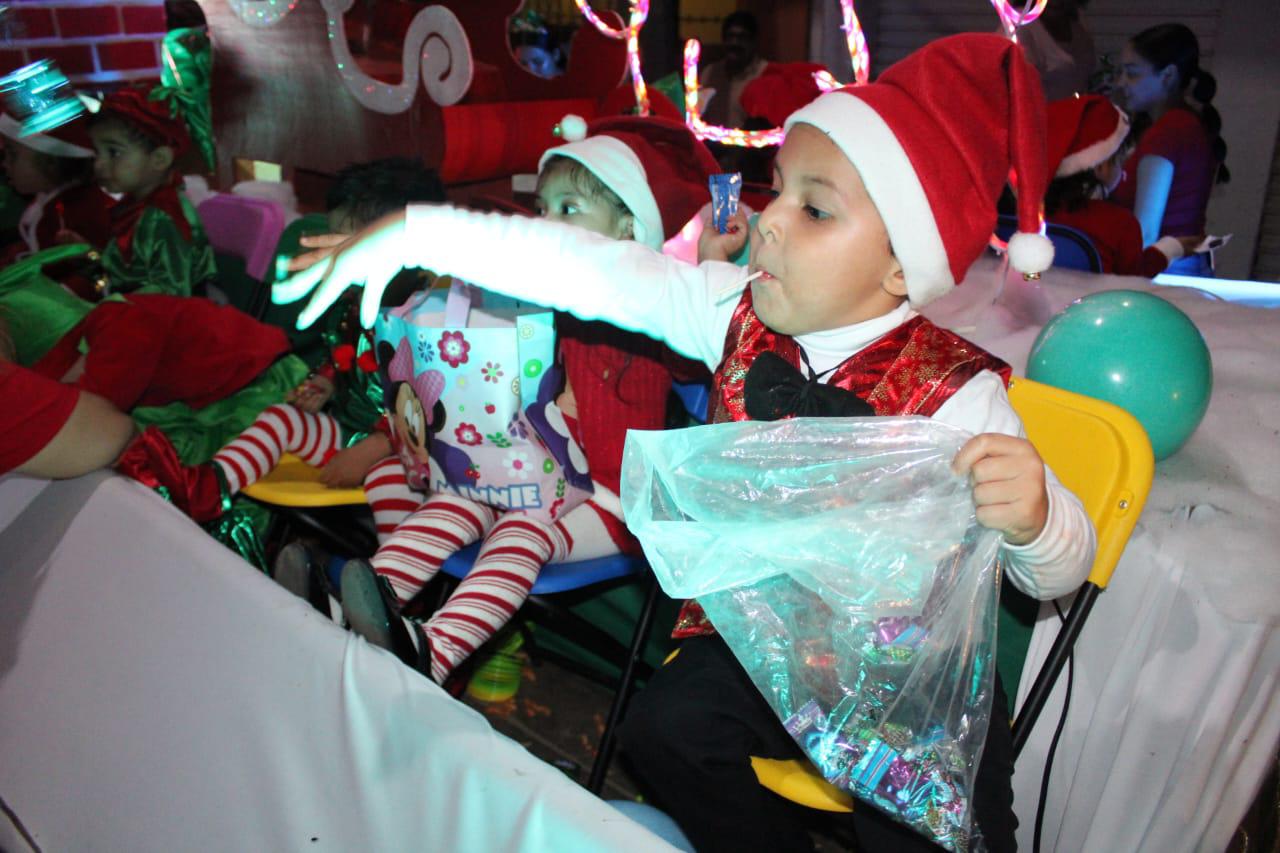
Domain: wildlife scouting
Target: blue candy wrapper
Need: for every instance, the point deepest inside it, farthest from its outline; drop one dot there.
(726, 188)
(842, 562)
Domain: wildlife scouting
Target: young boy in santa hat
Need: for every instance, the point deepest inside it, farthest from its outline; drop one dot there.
(886, 194)
(1087, 136)
(624, 178)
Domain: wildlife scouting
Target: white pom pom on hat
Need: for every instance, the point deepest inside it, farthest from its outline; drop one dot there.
(572, 128)
(1030, 253)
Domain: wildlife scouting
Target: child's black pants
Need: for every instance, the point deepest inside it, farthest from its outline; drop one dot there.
(689, 735)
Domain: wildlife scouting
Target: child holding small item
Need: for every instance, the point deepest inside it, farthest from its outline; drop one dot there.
(885, 195)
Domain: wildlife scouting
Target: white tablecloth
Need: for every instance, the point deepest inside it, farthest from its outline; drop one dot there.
(1175, 712)
(158, 694)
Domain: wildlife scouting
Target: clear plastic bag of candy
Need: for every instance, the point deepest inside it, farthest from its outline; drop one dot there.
(841, 560)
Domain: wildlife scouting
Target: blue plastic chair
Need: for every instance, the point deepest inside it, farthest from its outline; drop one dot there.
(567, 577)
(1072, 249)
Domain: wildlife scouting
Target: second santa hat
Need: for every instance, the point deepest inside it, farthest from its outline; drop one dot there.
(1084, 131)
(656, 166)
(934, 140)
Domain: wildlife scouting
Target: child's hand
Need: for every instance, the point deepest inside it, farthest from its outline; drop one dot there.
(374, 255)
(714, 246)
(312, 394)
(347, 468)
(1008, 485)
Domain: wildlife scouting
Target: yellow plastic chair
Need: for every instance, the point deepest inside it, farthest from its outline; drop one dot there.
(293, 487)
(1099, 452)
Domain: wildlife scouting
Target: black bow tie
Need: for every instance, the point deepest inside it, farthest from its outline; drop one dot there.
(774, 389)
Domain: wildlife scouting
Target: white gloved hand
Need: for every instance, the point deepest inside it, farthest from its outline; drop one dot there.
(371, 257)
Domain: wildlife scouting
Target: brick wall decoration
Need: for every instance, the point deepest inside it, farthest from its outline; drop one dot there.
(93, 41)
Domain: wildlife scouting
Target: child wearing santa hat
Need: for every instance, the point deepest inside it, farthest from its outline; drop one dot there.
(624, 178)
(157, 243)
(886, 194)
(55, 168)
(1087, 136)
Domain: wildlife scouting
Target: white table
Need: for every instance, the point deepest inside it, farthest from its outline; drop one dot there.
(1175, 712)
(156, 693)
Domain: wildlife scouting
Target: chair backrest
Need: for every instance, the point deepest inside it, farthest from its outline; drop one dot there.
(1072, 249)
(245, 227)
(1099, 452)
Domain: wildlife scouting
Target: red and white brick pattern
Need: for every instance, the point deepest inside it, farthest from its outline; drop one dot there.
(92, 41)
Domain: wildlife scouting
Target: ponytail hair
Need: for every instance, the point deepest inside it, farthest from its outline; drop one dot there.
(1174, 44)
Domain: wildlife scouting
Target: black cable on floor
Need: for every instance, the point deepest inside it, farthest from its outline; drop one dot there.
(1053, 744)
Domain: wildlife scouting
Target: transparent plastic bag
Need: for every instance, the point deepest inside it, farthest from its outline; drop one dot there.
(841, 560)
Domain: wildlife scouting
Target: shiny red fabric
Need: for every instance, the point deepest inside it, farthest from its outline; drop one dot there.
(152, 460)
(621, 381)
(35, 408)
(911, 370)
(153, 349)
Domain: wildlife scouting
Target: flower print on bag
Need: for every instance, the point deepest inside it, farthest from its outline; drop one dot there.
(468, 434)
(454, 348)
(517, 462)
(491, 372)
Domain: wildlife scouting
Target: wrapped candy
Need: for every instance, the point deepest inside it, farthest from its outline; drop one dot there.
(726, 189)
(842, 562)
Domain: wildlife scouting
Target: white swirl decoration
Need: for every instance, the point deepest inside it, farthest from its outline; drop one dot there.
(435, 48)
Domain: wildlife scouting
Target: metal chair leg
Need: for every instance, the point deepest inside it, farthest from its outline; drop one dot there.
(604, 752)
(1048, 675)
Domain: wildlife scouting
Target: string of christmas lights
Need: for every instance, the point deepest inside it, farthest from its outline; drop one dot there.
(859, 58)
(639, 13)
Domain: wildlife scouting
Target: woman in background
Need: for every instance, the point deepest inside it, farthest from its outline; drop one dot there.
(1179, 154)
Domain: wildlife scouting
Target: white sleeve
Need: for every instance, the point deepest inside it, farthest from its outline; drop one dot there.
(571, 269)
(1059, 559)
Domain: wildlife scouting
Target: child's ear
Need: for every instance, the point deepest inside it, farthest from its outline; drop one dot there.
(626, 227)
(1169, 78)
(162, 158)
(895, 282)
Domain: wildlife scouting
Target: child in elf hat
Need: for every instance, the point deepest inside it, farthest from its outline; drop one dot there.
(886, 194)
(626, 179)
(1087, 136)
(157, 243)
(54, 168)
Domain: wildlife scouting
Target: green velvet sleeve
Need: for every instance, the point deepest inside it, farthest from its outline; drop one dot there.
(162, 260)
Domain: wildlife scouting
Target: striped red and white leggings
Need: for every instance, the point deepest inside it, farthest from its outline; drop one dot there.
(417, 534)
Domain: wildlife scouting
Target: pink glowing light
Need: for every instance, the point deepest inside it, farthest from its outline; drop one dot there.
(859, 58)
(639, 12)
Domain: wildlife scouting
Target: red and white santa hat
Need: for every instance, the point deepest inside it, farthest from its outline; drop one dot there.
(934, 140)
(656, 166)
(67, 140)
(1084, 131)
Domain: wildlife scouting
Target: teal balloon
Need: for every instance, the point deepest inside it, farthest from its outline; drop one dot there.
(1135, 350)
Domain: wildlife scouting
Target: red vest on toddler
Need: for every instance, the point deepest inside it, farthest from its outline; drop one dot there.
(910, 370)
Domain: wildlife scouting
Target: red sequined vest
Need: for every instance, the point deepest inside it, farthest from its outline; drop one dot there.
(911, 370)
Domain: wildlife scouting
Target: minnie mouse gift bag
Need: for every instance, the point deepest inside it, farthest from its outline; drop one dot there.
(470, 396)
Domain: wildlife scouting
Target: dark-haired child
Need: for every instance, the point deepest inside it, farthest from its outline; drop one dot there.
(629, 179)
(885, 195)
(332, 420)
(157, 243)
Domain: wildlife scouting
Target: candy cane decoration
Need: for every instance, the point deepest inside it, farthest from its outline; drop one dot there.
(1011, 18)
(639, 12)
(859, 58)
